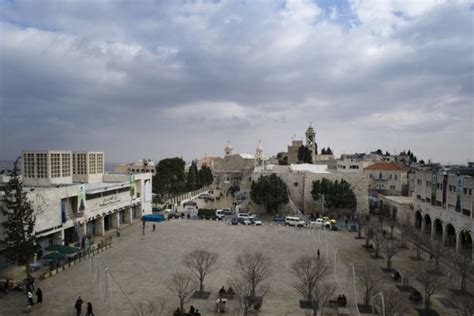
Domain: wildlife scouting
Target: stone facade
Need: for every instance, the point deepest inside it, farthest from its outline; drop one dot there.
(293, 151)
(387, 178)
(300, 185)
(443, 205)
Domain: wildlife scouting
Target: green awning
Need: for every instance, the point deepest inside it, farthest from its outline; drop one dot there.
(54, 256)
(63, 249)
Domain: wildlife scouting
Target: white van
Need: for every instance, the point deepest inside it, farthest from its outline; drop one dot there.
(294, 221)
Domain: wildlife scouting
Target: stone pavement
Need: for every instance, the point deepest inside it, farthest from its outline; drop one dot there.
(142, 265)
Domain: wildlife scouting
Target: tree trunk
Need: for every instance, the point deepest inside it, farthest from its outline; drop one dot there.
(359, 233)
(27, 268)
(463, 282)
(201, 284)
(389, 264)
(427, 301)
(181, 304)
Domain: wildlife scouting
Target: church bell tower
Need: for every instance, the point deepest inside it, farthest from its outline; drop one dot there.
(311, 142)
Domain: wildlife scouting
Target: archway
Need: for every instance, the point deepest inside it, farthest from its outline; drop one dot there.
(450, 236)
(465, 240)
(418, 220)
(427, 224)
(438, 229)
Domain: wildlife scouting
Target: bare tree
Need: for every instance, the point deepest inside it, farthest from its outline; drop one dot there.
(367, 275)
(462, 263)
(369, 229)
(389, 250)
(362, 221)
(309, 272)
(377, 240)
(393, 302)
(435, 249)
(416, 236)
(404, 227)
(464, 304)
(431, 281)
(182, 285)
(152, 308)
(201, 262)
(324, 292)
(253, 268)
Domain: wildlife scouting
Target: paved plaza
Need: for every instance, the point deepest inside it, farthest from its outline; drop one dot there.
(142, 264)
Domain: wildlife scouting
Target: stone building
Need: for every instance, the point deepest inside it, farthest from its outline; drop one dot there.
(388, 178)
(443, 204)
(299, 180)
(140, 166)
(67, 210)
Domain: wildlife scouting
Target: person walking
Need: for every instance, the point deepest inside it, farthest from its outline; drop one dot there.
(78, 306)
(89, 311)
(319, 254)
(30, 298)
(154, 227)
(39, 296)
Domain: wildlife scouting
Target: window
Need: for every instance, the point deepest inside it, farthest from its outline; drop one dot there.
(29, 165)
(380, 175)
(92, 164)
(370, 176)
(465, 190)
(100, 163)
(296, 184)
(390, 176)
(55, 166)
(42, 165)
(395, 177)
(392, 187)
(66, 165)
(470, 191)
(418, 197)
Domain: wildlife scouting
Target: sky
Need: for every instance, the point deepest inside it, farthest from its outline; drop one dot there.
(160, 79)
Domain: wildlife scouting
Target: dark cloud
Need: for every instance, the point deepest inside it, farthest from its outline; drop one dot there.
(182, 78)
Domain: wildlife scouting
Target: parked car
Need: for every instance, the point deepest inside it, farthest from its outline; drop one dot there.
(294, 221)
(227, 211)
(203, 196)
(234, 221)
(279, 219)
(243, 216)
(220, 214)
(245, 221)
(257, 221)
(319, 222)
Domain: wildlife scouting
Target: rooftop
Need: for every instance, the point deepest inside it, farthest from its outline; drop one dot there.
(310, 168)
(387, 166)
(399, 199)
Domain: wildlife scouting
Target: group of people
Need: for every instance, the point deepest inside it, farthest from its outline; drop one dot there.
(30, 288)
(342, 300)
(78, 307)
(192, 311)
(229, 292)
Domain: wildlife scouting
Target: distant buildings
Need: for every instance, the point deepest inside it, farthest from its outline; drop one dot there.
(140, 166)
(74, 198)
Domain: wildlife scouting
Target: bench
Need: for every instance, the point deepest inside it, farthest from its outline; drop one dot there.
(337, 303)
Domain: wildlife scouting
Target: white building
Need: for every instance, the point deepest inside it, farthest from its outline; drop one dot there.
(73, 198)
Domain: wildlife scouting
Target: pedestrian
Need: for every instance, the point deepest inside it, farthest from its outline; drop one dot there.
(191, 310)
(143, 221)
(39, 296)
(118, 233)
(30, 298)
(154, 227)
(319, 254)
(143, 231)
(346, 222)
(89, 309)
(78, 306)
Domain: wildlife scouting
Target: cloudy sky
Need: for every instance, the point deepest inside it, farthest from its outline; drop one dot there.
(180, 78)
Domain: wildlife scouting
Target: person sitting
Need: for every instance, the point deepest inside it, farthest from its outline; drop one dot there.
(230, 291)
(191, 310)
(177, 312)
(222, 291)
(344, 300)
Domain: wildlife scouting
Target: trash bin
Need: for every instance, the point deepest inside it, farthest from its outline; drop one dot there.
(353, 227)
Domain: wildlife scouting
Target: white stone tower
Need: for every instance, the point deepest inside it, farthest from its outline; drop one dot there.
(311, 142)
(259, 156)
(228, 149)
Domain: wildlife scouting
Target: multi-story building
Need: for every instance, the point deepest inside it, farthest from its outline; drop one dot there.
(73, 197)
(353, 163)
(140, 166)
(443, 204)
(388, 178)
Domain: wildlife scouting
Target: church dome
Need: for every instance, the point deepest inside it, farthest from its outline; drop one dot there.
(228, 147)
